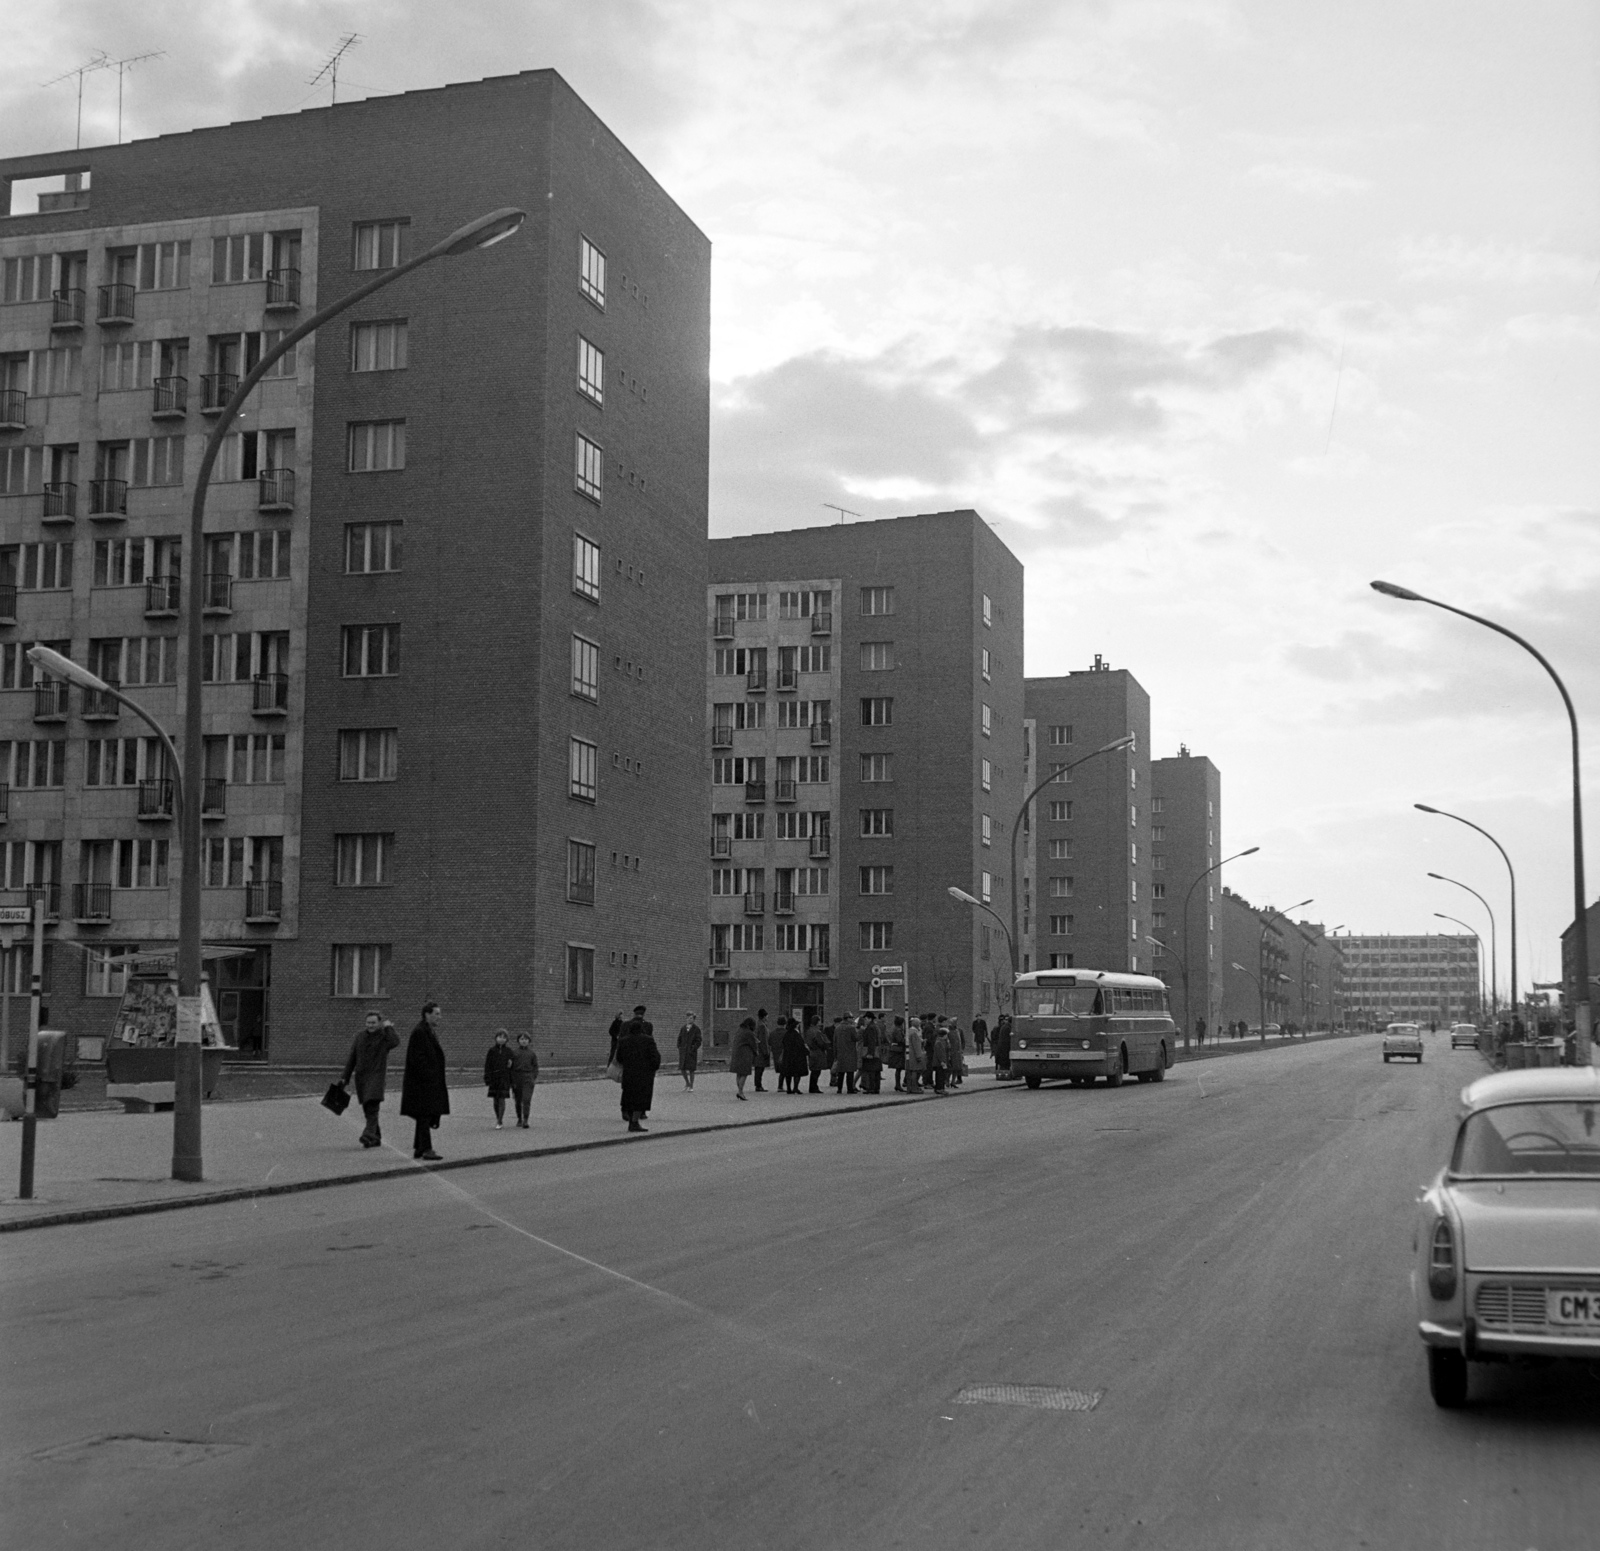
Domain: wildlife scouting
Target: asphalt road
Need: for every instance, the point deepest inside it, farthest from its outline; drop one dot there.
(757, 1338)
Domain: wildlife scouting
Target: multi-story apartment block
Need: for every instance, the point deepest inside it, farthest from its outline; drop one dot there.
(1088, 896)
(1433, 978)
(864, 719)
(1294, 971)
(452, 565)
(1185, 837)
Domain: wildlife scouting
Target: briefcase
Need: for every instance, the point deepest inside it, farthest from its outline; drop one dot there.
(336, 1099)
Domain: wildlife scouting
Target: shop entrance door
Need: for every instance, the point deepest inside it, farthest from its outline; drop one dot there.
(241, 988)
(800, 999)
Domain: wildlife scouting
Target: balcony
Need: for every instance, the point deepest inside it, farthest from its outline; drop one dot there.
(170, 398)
(755, 904)
(13, 409)
(163, 596)
(722, 845)
(156, 799)
(68, 309)
(213, 797)
(788, 679)
(116, 303)
(50, 701)
(783, 791)
(60, 501)
(755, 681)
(100, 706)
(722, 627)
(820, 958)
(91, 903)
(271, 695)
(216, 390)
(821, 734)
(108, 499)
(720, 959)
(783, 904)
(218, 597)
(755, 791)
(822, 622)
(263, 902)
(821, 846)
(49, 894)
(8, 604)
(275, 491)
(722, 737)
(283, 289)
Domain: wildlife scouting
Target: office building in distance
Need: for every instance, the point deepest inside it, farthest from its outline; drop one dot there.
(1433, 978)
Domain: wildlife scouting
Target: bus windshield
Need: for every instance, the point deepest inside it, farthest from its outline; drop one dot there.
(1059, 1002)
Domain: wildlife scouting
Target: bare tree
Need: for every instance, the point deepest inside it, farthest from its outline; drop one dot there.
(946, 969)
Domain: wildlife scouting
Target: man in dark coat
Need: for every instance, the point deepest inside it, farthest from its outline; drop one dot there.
(424, 1093)
(368, 1062)
(763, 1046)
(1001, 1045)
(817, 1053)
(640, 1059)
(689, 1041)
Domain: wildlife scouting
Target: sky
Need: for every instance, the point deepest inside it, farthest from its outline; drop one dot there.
(1215, 309)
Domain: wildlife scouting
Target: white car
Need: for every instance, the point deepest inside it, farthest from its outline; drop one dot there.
(1507, 1242)
(1463, 1036)
(1403, 1039)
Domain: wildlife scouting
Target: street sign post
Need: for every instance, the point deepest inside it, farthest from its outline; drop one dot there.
(886, 980)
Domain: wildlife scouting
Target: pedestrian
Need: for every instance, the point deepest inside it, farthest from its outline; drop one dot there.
(871, 1055)
(640, 1059)
(763, 1046)
(424, 1093)
(613, 1033)
(930, 1037)
(958, 1052)
(980, 1034)
(817, 1056)
(897, 1054)
(497, 1075)
(524, 1074)
(791, 1057)
(1200, 1030)
(940, 1063)
(742, 1055)
(1001, 1045)
(368, 1062)
(846, 1055)
(690, 1040)
(915, 1056)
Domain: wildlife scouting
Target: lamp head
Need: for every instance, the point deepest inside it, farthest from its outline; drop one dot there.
(1127, 741)
(1405, 594)
(1422, 807)
(1251, 852)
(961, 894)
(485, 232)
(1440, 876)
(1242, 970)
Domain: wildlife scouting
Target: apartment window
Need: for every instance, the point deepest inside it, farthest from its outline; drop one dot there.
(1060, 811)
(802, 605)
(812, 659)
(1158, 832)
(378, 347)
(585, 668)
(371, 547)
(585, 567)
(590, 461)
(591, 272)
(58, 372)
(877, 936)
(583, 767)
(877, 656)
(742, 605)
(237, 258)
(877, 822)
(1157, 863)
(812, 770)
(1061, 887)
(986, 720)
(728, 995)
(1133, 890)
(256, 758)
(32, 762)
(877, 767)
(164, 266)
(126, 864)
(986, 829)
(580, 872)
(368, 753)
(877, 600)
(985, 887)
(126, 366)
(591, 371)
(878, 711)
(378, 244)
(984, 663)
(877, 880)
(985, 774)
(1159, 891)
(105, 969)
(1158, 921)
(25, 279)
(747, 936)
(1158, 804)
(1133, 817)
(1133, 852)
(371, 651)
(1061, 734)
(1060, 926)
(376, 446)
(1060, 850)
(45, 567)
(363, 861)
(124, 761)
(988, 612)
(361, 969)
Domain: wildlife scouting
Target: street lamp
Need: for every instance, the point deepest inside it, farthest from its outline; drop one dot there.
(972, 899)
(1582, 994)
(1477, 939)
(483, 232)
(1183, 959)
(1266, 926)
(1494, 940)
(1261, 994)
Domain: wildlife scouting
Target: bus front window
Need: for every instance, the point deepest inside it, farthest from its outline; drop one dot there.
(1057, 1001)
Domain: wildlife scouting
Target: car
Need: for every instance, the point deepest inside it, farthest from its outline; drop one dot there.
(1463, 1036)
(1507, 1243)
(1403, 1039)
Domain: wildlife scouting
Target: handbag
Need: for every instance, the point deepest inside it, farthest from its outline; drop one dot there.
(336, 1098)
(614, 1070)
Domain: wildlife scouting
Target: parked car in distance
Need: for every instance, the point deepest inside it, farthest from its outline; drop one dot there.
(1463, 1036)
(1507, 1242)
(1403, 1039)
(1272, 1031)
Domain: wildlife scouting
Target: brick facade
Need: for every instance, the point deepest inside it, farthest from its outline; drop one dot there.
(1185, 837)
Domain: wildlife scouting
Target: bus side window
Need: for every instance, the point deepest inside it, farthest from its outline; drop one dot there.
(1099, 1004)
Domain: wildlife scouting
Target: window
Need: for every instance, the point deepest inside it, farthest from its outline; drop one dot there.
(378, 347)
(585, 567)
(361, 969)
(988, 612)
(58, 372)
(985, 720)
(1158, 804)
(126, 366)
(591, 371)
(377, 445)
(877, 656)
(368, 753)
(812, 659)
(33, 762)
(728, 995)
(370, 547)
(985, 887)
(877, 880)
(1159, 891)
(1133, 852)
(237, 258)
(1061, 734)
(742, 605)
(877, 936)
(1158, 832)
(43, 567)
(1133, 817)
(371, 651)
(812, 770)
(363, 861)
(877, 767)
(246, 758)
(378, 244)
(802, 605)
(585, 668)
(25, 279)
(985, 774)
(1060, 850)
(22, 470)
(124, 761)
(1133, 890)
(1060, 926)
(105, 969)
(877, 711)
(591, 272)
(590, 461)
(876, 822)
(1061, 887)
(126, 864)
(1060, 811)
(877, 600)
(583, 770)
(984, 663)
(164, 266)
(157, 460)
(580, 872)
(986, 829)
(747, 936)
(1157, 863)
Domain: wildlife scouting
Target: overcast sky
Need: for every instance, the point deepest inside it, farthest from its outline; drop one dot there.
(1215, 310)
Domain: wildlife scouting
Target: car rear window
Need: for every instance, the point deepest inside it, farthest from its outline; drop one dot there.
(1558, 1136)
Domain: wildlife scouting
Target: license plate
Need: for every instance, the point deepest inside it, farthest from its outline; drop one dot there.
(1580, 1308)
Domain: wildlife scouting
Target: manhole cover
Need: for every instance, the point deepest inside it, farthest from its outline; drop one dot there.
(1040, 1397)
(135, 1450)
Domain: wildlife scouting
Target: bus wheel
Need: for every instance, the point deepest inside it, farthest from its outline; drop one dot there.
(1114, 1079)
(1033, 1082)
(1160, 1073)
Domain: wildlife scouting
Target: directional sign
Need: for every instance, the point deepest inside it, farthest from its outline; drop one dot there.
(888, 969)
(16, 915)
(886, 980)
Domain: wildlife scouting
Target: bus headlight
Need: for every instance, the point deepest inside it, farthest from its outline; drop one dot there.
(1022, 1044)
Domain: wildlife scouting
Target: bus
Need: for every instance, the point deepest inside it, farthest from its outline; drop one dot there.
(1080, 1024)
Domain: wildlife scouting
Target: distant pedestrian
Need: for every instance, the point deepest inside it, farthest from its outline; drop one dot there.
(424, 1093)
(846, 1055)
(791, 1057)
(1200, 1030)
(524, 1074)
(1001, 1045)
(871, 1055)
(689, 1041)
(817, 1057)
(368, 1062)
(613, 1033)
(916, 1054)
(497, 1075)
(763, 1046)
(958, 1052)
(897, 1054)
(640, 1059)
(742, 1055)
(942, 1057)
(980, 1034)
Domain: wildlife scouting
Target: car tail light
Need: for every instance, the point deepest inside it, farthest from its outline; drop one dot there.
(1442, 1260)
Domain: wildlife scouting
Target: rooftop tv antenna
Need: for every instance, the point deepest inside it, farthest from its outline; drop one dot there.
(330, 67)
(120, 65)
(843, 511)
(99, 62)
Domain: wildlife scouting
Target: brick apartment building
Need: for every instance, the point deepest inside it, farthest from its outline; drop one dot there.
(1185, 828)
(1088, 879)
(864, 728)
(1296, 967)
(453, 566)
(1433, 978)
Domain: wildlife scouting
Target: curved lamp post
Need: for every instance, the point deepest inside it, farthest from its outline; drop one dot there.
(1011, 947)
(1582, 993)
(1183, 958)
(1477, 939)
(1494, 940)
(1261, 994)
(484, 232)
(1511, 872)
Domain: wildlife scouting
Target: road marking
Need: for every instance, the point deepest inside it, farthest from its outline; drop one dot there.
(1039, 1397)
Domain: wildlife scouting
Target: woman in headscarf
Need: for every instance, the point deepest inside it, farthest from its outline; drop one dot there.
(497, 1066)
(742, 1055)
(640, 1059)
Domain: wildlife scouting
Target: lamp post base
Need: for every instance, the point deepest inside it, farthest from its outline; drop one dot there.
(187, 1164)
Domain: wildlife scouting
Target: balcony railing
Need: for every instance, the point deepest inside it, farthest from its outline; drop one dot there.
(722, 845)
(271, 694)
(50, 701)
(108, 498)
(755, 904)
(788, 678)
(276, 490)
(755, 681)
(720, 958)
(263, 901)
(283, 288)
(49, 894)
(213, 797)
(13, 409)
(783, 904)
(822, 622)
(156, 800)
(219, 593)
(99, 706)
(722, 737)
(91, 902)
(216, 390)
(783, 791)
(67, 311)
(8, 604)
(116, 303)
(163, 595)
(755, 791)
(60, 500)
(820, 958)
(822, 845)
(821, 734)
(170, 399)
(722, 628)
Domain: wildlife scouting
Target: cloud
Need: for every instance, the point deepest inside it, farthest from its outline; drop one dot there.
(1302, 178)
(1492, 263)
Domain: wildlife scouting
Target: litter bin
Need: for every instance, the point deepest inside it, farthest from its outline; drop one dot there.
(1547, 1052)
(1516, 1054)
